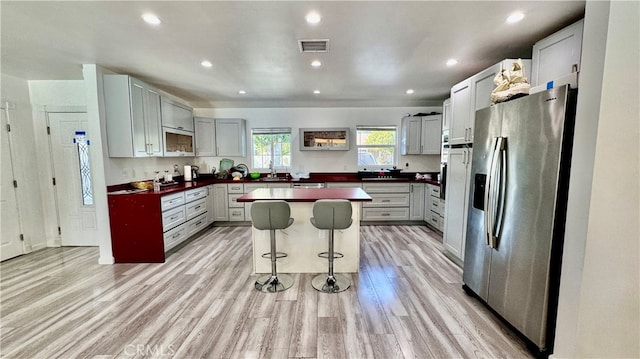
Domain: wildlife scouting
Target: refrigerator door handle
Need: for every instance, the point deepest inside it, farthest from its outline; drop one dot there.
(502, 188)
(488, 198)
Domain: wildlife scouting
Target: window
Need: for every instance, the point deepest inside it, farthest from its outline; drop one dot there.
(377, 145)
(271, 144)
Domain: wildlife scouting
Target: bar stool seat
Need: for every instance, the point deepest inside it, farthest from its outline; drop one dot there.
(331, 214)
(272, 215)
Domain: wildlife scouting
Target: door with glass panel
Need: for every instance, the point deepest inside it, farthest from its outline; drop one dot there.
(72, 173)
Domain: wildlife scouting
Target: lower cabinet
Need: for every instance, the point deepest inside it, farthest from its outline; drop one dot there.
(434, 207)
(455, 218)
(145, 226)
(219, 202)
(416, 202)
(390, 202)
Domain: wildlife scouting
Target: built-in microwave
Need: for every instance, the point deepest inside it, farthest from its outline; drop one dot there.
(177, 142)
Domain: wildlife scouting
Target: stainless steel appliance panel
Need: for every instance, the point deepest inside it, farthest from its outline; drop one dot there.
(520, 264)
(477, 253)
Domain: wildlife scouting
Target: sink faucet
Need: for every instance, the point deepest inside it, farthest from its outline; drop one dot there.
(273, 169)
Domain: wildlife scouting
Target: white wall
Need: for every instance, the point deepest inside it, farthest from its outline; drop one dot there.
(26, 170)
(323, 161)
(599, 307)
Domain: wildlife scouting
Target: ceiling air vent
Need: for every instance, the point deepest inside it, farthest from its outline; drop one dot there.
(314, 45)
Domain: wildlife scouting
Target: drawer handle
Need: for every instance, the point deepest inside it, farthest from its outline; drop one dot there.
(386, 200)
(385, 214)
(235, 214)
(173, 217)
(199, 223)
(435, 204)
(175, 236)
(198, 207)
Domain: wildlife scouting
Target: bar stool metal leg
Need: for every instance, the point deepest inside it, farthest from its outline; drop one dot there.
(273, 282)
(331, 283)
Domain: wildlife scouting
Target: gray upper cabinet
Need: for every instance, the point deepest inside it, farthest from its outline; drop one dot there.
(205, 137)
(133, 117)
(176, 115)
(557, 55)
(421, 135)
(231, 137)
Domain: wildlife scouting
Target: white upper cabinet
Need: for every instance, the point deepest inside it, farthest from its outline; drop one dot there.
(446, 115)
(421, 135)
(133, 117)
(176, 115)
(471, 95)
(557, 55)
(205, 137)
(231, 137)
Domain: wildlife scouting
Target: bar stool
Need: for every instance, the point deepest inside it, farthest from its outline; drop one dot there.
(272, 215)
(331, 214)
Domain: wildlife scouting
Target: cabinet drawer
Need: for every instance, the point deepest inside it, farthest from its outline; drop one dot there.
(236, 214)
(388, 200)
(171, 201)
(235, 188)
(174, 237)
(196, 193)
(434, 191)
(385, 214)
(173, 218)
(196, 225)
(249, 187)
(435, 220)
(196, 208)
(437, 207)
(386, 187)
(233, 203)
(343, 185)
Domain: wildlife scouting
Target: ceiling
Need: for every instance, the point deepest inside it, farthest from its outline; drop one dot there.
(377, 49)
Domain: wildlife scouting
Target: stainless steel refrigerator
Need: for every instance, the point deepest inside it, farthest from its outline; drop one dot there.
(517, 209)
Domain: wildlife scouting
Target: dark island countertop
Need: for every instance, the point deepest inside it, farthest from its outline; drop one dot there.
(205, 180)
(306, 194)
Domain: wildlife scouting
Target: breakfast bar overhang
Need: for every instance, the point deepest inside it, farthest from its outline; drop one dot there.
(302, 241)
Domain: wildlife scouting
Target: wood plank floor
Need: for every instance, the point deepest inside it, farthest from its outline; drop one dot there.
(406, 302)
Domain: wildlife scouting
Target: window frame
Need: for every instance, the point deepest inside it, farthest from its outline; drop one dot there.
(359, 146)
(271, 131)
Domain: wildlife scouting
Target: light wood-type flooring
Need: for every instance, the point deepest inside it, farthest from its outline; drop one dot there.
(406, 302)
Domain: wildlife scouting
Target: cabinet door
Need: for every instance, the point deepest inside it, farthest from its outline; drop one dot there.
(176, 115)
(446, 115)
(220, 209)
(153, 125)
(205, 137)
(231, 137)
(460, 112)
(556, 55)
(138, 109)
(210, 205)
(411, 131)
(457, 200)
(416, 202)
(431, 135)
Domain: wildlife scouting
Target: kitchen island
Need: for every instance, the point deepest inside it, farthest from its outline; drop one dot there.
(302, 241)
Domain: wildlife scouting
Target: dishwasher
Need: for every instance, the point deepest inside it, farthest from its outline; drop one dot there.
(309, 185)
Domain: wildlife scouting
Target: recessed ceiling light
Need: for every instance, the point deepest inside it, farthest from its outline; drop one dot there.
(206, 63)
(316, 63)
(452, 62)
(515, 17)
(151, 19)
(312, 18)
(242, 92)
(316, 92)
(410, 92)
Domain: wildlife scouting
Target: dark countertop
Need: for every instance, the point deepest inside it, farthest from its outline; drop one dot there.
(306, 194)
(208, 179)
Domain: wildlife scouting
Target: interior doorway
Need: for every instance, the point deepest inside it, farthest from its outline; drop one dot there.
(72, 172)
(11, 239)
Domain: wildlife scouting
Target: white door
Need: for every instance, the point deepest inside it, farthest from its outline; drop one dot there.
(11, 244)
(77, 219)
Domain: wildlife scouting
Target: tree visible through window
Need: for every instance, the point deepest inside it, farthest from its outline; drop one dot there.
(271, 144)
(376, 145)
